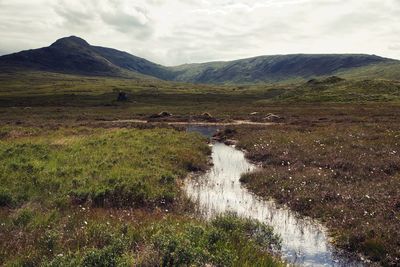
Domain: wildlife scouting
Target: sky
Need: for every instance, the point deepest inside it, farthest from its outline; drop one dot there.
(173, 32)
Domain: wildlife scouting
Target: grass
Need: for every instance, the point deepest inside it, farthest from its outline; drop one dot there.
(345, 174)
(78, 189)
(51, 89)
(114, 168)
(353, 91)
(32, 98)
(111, 197)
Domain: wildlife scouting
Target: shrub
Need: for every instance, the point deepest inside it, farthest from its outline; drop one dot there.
(375, 249)
(106, 257)
(6, 198)
(219, 243)
(48, 242)
(23, 217)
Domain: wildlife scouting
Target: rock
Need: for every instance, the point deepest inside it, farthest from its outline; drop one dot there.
(206, 115)
(230, 142)
(273, 118)
(329, 80)
(122, 96)
(333, 79)
(312, 81)
(223, 135)
(253, 113)
(163, 114)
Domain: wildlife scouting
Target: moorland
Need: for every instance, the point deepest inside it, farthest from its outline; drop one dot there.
(84, 183)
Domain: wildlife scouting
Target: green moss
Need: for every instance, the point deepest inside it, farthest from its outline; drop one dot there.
(227, 241)
(115, 168)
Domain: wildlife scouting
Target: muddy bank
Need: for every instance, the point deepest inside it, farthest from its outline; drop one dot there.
(199, 123)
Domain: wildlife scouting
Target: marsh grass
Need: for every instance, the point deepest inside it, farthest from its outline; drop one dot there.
(113, 168)
(111, 197)
(76, 189)
(346, 174)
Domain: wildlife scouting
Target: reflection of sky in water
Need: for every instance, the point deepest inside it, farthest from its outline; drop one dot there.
(207, 131)
(219, 190)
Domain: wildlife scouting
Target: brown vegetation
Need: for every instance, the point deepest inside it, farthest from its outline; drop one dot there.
(345, 173)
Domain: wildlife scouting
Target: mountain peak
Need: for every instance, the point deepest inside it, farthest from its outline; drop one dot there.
(75, 55)
(70, 41)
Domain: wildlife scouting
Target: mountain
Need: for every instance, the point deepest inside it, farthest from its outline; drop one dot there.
(276, 68)
(132, 63)
(74, 55)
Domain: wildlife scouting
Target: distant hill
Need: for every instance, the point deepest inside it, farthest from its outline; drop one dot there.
(74, 55)
(276, 68)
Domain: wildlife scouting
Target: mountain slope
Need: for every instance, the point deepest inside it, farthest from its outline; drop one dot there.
(275, 68)
(74, 55)
(71, 55)
(133, 63)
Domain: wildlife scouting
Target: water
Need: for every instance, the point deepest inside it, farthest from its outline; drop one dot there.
(304, 242)
(207, 131)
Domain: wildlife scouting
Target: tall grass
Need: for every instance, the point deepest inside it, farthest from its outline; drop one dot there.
(98, 197)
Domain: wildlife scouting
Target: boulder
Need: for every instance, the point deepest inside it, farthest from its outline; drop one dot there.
(122, 96)
(312, 81)
(223, 135)
(163, 114)
(333, 79)
(273, 118)
(206, 115)
(230, 142)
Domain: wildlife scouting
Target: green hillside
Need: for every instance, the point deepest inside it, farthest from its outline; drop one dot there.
(73, 55)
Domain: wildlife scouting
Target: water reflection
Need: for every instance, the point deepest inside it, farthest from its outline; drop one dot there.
(207, 131)
(219, 191)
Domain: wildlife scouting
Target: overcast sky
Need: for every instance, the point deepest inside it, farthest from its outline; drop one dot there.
(174, 32)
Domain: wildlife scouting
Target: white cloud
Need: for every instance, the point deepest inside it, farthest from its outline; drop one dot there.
(182, 31)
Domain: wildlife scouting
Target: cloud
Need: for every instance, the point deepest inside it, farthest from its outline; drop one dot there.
(129, 20)
(394, 47)
(74, 14)
(173, 32)
(118, 14)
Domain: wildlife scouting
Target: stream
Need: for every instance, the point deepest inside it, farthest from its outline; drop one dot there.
(304, 242)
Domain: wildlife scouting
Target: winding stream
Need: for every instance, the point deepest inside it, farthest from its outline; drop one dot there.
(304, 242)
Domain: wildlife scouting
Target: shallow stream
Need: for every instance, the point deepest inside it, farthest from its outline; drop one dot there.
(304, 242)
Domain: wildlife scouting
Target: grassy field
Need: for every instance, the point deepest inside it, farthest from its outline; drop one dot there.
(41, 88)
(111, 197)
(33, 98)
(79, 188)
(346, 174)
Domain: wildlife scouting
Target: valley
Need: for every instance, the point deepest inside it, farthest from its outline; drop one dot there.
(90, 180)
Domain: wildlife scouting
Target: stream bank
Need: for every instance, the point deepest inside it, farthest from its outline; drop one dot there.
(304, 242)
